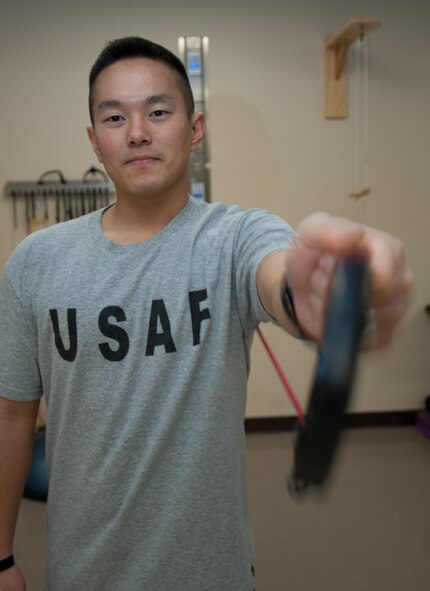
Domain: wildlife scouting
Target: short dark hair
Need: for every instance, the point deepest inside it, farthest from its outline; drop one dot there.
(137, 47)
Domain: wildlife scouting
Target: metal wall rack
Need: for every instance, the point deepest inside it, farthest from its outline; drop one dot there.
(72, 198)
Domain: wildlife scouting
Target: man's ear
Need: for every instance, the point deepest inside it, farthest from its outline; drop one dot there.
(198, 122)
(92, 137)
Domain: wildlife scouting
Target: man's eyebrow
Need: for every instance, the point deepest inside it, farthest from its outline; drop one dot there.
(148, 101)
(158, 98)
(109, 104)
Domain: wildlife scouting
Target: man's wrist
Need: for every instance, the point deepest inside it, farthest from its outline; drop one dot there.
(7, 563)
(289, 308)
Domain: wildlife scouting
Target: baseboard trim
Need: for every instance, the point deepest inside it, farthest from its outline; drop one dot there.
(351, 420)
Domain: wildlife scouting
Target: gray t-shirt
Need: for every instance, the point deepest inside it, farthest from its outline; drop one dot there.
(142, 352)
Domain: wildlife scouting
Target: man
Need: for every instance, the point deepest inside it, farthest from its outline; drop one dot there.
(136, 323)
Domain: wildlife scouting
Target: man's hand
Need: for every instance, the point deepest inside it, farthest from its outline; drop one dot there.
(12, 580)
(321, 241)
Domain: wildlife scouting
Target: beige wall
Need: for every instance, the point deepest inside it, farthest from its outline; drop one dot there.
(271, 146)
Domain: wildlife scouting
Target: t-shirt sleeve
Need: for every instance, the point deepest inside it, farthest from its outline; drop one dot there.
(259, 234)
(19, 370)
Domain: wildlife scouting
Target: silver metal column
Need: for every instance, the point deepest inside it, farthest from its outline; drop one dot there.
(194, 52)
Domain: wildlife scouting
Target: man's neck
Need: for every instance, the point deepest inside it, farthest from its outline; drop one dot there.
(130, 221)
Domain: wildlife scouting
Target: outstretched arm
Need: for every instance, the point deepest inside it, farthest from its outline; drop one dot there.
(309, 269)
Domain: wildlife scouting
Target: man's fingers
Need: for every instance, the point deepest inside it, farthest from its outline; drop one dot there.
(328, 234)
(322, 276)
(322, 241)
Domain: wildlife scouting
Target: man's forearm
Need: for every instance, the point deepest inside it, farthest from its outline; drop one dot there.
(17, 422)
(271, 283)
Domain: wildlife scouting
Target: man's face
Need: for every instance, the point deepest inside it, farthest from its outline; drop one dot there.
(141, 131)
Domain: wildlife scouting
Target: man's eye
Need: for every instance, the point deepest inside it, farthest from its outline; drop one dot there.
(158, 113)
(114, 118)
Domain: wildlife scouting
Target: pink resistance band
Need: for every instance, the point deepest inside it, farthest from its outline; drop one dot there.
(288, 388)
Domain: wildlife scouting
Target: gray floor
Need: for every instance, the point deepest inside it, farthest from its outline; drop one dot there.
(369, 532)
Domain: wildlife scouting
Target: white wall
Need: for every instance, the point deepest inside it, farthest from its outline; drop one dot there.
(271, 146)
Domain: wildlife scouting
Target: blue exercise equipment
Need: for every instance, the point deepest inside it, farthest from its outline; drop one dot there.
(36, 486)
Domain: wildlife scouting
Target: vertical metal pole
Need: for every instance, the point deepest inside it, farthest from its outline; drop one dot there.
(194, 53)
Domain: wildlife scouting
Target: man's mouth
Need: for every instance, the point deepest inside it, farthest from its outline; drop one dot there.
(142, 159)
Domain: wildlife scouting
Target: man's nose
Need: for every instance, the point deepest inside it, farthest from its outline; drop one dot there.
(139, 132)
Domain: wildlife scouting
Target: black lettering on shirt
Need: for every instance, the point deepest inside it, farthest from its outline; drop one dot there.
(70, 353)
(157, 339)
(113, 332)
(198, 315)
